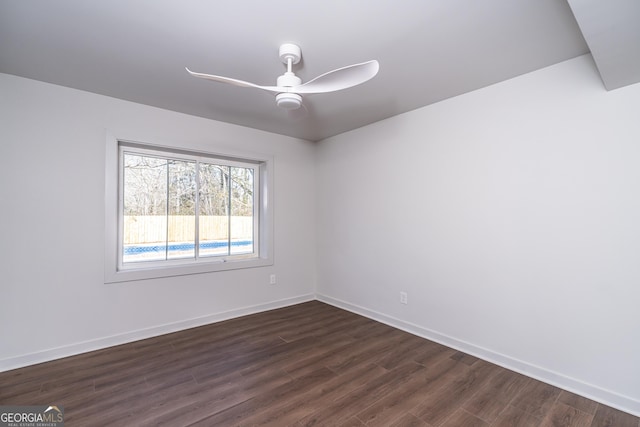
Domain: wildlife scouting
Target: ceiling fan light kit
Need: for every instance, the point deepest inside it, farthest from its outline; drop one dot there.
(288, 101)
(289, 86)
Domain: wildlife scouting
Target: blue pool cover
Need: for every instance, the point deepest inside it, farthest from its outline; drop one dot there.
(130, 250)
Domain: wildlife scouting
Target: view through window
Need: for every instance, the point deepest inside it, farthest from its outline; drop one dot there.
(176, 206)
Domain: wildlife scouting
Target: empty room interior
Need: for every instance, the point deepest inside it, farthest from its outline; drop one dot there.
(410, 213)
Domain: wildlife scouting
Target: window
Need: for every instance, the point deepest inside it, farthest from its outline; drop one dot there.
(182, 212)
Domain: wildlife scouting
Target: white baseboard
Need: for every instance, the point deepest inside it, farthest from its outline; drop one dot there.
(100, 343)
(590, 391)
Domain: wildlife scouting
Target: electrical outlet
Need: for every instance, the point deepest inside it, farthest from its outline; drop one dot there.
(403, 298)
(272, 279)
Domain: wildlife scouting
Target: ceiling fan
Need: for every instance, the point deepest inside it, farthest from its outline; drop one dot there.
(289, 87)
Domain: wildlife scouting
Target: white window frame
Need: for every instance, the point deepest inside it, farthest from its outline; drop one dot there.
(115, 271)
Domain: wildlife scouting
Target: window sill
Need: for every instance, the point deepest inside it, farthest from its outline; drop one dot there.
(131, 274)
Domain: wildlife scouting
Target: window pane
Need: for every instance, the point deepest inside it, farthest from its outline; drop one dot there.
(145, 208)
(214, 210)
(241, 210)
(179, 207)
(181, 228)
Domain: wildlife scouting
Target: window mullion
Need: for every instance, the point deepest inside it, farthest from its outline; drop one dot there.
(168, 204)
(230, 209)
(196, 241)
(257, 202)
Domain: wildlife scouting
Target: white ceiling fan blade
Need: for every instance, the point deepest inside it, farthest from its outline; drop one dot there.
(234, 82)
(339, 79)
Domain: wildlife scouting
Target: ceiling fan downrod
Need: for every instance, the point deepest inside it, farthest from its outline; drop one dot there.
(290, 54)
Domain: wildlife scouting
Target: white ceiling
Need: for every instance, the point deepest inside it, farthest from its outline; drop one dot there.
(428, 50)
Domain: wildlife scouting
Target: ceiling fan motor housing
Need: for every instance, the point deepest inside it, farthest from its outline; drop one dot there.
(288, 80)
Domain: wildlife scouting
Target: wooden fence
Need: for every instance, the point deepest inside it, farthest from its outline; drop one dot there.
(181, 228)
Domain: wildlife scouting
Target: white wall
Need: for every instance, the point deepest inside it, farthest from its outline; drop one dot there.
(53, 299)
(510, 216)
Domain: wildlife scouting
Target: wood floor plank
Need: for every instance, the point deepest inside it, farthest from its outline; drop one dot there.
(563, 415)
(242, 411)
(536, 398)
(307, 364)
(212, 398)
(462, 418)
(367, 350)
(496, 395)
(408, 349)
(318, 397)
(191, 404)
(404, 399)
(409, 420)
(465, 358)
(342, 409)
(516, 417)
(352, 422)
(580, 403)
(168, 396)
(430, 352)
(609, 417)
(442, 404)
(108, 403)
(322, 355)
(401, 400)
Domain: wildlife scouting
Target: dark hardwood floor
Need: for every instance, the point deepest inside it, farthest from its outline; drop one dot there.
(310, 364)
